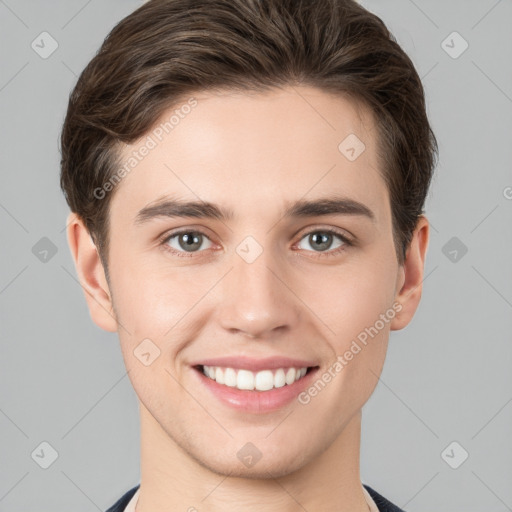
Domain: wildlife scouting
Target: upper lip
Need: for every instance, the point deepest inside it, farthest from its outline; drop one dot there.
(255, 365)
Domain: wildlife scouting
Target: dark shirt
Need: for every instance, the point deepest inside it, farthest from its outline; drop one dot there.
(382, 503)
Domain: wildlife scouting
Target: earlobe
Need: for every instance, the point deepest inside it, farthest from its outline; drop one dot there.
(90, 274)
(410, 282)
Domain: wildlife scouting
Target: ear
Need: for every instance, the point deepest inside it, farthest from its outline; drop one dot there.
(410, 275)
(91, 274)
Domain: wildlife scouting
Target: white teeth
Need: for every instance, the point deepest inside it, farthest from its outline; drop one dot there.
(244, 379)
(279, 378)
(230, 378)
(290, 376)
(219, 376)
(247, 380)
(264, 380)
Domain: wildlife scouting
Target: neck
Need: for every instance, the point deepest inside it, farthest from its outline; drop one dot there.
(176, 478)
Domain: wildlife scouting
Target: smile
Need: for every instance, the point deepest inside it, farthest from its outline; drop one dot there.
(263, 380)
(258, 392)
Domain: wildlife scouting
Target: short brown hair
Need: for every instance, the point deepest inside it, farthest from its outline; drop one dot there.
(168, 49)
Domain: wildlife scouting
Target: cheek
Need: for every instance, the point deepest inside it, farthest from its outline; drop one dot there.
(153, 299)
(160, 311)
(151, 311)
(357, 306)
(352, 297)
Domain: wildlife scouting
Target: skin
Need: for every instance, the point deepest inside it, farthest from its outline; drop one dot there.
(252, 153)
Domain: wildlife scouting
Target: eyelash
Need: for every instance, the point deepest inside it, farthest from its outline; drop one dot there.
(334, 252)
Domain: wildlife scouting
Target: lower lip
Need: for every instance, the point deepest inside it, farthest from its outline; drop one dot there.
(254, 401)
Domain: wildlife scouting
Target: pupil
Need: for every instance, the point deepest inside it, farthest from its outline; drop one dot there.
(322, 240)
(188, 241)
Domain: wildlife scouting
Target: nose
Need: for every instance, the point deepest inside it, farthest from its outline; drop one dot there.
(256, 299)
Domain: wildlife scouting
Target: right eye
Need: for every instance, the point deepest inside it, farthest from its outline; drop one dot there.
(184, 241)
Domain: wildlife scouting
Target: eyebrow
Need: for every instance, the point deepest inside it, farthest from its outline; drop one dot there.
(333, 205)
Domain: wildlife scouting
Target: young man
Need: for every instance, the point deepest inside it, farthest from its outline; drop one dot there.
(247, 181)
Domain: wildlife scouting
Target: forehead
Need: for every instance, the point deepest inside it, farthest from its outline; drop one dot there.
(254, 152)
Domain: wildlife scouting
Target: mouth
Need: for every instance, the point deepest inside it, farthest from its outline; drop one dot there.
(259, 392)
(246, 380)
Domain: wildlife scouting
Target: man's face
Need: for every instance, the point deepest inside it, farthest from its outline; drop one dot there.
(260, 284)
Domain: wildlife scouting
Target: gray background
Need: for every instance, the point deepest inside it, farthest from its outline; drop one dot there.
(447, 375)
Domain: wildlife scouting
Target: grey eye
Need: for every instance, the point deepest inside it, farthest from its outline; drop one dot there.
(321, 240)
(188, 241)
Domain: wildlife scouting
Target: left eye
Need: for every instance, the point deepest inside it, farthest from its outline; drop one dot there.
(323, 239)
